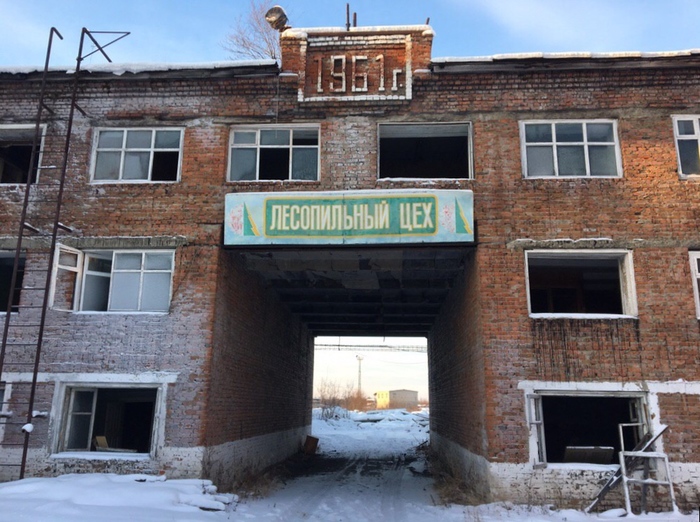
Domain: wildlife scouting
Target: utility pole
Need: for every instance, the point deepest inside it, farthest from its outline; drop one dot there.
(359, 374)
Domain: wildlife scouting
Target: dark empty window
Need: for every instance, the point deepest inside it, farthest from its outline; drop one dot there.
(274, 154)
(7, 261)
(586, 428)
(570, 284)
(110, 419)
(16, 154)
(438, 151)
(134, 155)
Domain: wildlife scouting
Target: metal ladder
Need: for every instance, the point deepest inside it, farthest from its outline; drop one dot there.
(648, 462)
(35, 250)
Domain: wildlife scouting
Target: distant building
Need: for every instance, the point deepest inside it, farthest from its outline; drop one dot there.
(397, 399)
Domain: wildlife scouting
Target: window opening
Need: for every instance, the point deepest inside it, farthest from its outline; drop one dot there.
(585, 428)
(274, 154)
(424, 151)
(112, 281)
(134, 155)
(570, 283)
(687, 132)
(16, 154)
(695, 271)
(123, 418)
(7, 261)
(570, 149)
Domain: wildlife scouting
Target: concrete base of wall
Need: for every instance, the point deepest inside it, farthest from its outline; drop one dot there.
(464, 465)
(230, 463)
(561, 485)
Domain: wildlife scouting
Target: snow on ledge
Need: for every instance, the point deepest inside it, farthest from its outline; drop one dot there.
(581, 316)
(135, 67)
(304, 32)
(99, 455)
(563, 55)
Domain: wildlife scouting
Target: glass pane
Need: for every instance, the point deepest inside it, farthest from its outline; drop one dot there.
(569, 132)
(159, 261)
(688, 150)
(602, 158)
(82, 401)
(305, 137)
(156, 292)
(244, 137)
(136, 165)
(125, 291)
(138, 139)
(540, 161)
(100, 264)
(110, 139)
(107, 165)
(602, 132)
(274, 137)
(686, 127)
(168, 139)
(243, 164)
(538, 133)
(95, 293)
(127, 261)
(79, 433)
(305, 164)
(572, 161)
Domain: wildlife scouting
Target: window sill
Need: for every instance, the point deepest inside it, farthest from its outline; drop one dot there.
(575, 466)
(565, 178)
(272, 181)
(131, 182)
(99, 455)
(582, 316)
(110, 312)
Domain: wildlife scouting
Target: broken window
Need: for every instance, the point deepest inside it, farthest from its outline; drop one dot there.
(274, 154)
(687, 132)
(585, 428)
(575, 282)
(109, 419)
(16, 154)
(570, 149)
(112, 281)
(7, 261)
(425, 151)
(137, 155)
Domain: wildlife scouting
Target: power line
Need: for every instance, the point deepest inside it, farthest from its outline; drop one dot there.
(371, 348)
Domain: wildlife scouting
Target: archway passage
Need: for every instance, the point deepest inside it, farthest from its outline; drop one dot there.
(390, 291)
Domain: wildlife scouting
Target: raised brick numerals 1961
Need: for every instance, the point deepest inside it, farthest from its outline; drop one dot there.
(366, 74)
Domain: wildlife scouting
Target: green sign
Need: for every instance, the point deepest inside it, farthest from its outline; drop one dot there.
(378, 216)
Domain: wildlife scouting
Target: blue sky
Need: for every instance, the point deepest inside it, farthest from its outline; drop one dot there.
(193, 31)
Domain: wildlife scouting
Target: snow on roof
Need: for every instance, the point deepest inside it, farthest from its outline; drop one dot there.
(564, 55)
(302, 32)
(122, 68)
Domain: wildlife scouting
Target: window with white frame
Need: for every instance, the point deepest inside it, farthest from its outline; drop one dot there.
(137, 155)
(574, 282)
(695, 271)
(16, 153)
(112, 419)
(7, 261)
(112, 280)
(566, 149)
(425, 150)
(274, 153)
(686, 130)
(585, 427)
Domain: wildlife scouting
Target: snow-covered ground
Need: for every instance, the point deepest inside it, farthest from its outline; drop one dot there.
(367, 468)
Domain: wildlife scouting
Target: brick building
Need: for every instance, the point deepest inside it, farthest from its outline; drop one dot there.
(535, 216)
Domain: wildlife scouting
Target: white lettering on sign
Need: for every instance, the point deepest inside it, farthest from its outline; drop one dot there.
(335, 76)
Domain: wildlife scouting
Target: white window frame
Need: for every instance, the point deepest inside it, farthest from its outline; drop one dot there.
(27, 127)
(81, 270)
(123, 149)
(257, 146)
(415, 128)
(677, 137)
(66, 393)
(695, 273)
(536, 421)
(585, 144)
(628, 292)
